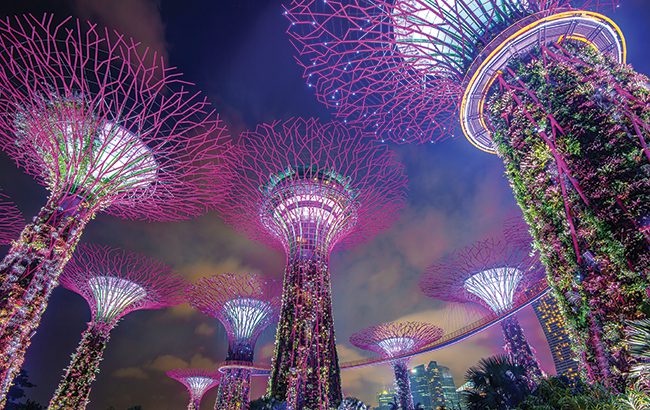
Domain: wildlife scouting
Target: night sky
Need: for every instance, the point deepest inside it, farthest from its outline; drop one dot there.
(236, 51)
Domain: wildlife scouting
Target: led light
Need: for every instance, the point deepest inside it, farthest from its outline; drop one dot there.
(440, 33)
(198, 385)
(245, 314)
(496, 287)
(113, 295)
(396, 345)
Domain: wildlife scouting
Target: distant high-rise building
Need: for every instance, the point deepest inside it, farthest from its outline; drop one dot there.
(385, 399)
(548, 314)
(420, 386)
(452, 401)
(433, 387)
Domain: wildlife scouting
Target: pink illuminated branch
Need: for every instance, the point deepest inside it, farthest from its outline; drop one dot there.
(314, 185)
(115, 282)
(244, 303)
(493, 273)
(11, 220)
(196, 381)
(88, 115)
(396, 338)
(397, 67)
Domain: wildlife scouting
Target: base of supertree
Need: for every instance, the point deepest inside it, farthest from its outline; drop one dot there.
(519, 350)
(234, 391)
(305, 371)
(29, 273)
(571, 126)
(73, 391)
(403, 384)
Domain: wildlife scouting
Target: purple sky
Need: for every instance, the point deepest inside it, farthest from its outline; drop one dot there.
(237, 53)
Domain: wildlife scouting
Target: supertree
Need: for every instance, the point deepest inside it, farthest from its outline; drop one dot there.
(541, 83)
(308, 187)
(11, 220)
(245, 304)
(104, 128)
(496, 275)
(114, 283)
(395, 339)
(197, 382)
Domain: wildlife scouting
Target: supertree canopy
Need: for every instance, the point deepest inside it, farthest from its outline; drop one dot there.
(197, 382)
(313, 186)
(104, 128)
(11, 220)
(539, 82)
(496, 275)
(114, 283)
(245, 304)
(395, 339)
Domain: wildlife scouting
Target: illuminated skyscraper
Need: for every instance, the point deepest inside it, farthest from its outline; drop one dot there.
(551, 320)
(433, 386)
(385, 399)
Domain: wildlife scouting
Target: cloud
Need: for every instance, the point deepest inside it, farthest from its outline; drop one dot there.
(167, 362)
(195, 271)
(138, 19)
(204, 330)
(130, 373)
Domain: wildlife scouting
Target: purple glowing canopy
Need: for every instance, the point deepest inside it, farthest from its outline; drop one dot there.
(396, 338)
(196, 381)
(244, 303)
(493, 273)
(304, 183)
(116, 282)
(88, 114)
(11, 220)
(397, 68)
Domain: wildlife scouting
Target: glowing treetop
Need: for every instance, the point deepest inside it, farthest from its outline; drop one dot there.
(396, 338)
(400, 67)
(11, 220)
(493, 273)
(197, 382)
(245, 304)
(313, 186)
(115, 282)
(93, 118)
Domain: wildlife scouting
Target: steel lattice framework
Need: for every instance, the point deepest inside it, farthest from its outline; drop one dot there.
(114, 283)
(313, 186)
(496, 275)
(11, 220)
(543, 84)
(245, 304)
(394, 339)
(197, 382)
(105, 128)
(399, 68)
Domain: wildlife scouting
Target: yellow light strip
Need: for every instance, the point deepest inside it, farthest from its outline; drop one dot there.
(568, 14)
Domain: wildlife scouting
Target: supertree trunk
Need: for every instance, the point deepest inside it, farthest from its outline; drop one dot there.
(74, 389)
(234, 392)
(305, 369)
(571, 127)
(518, 348)
(404, 396)
(194, 404)
(29, 272)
